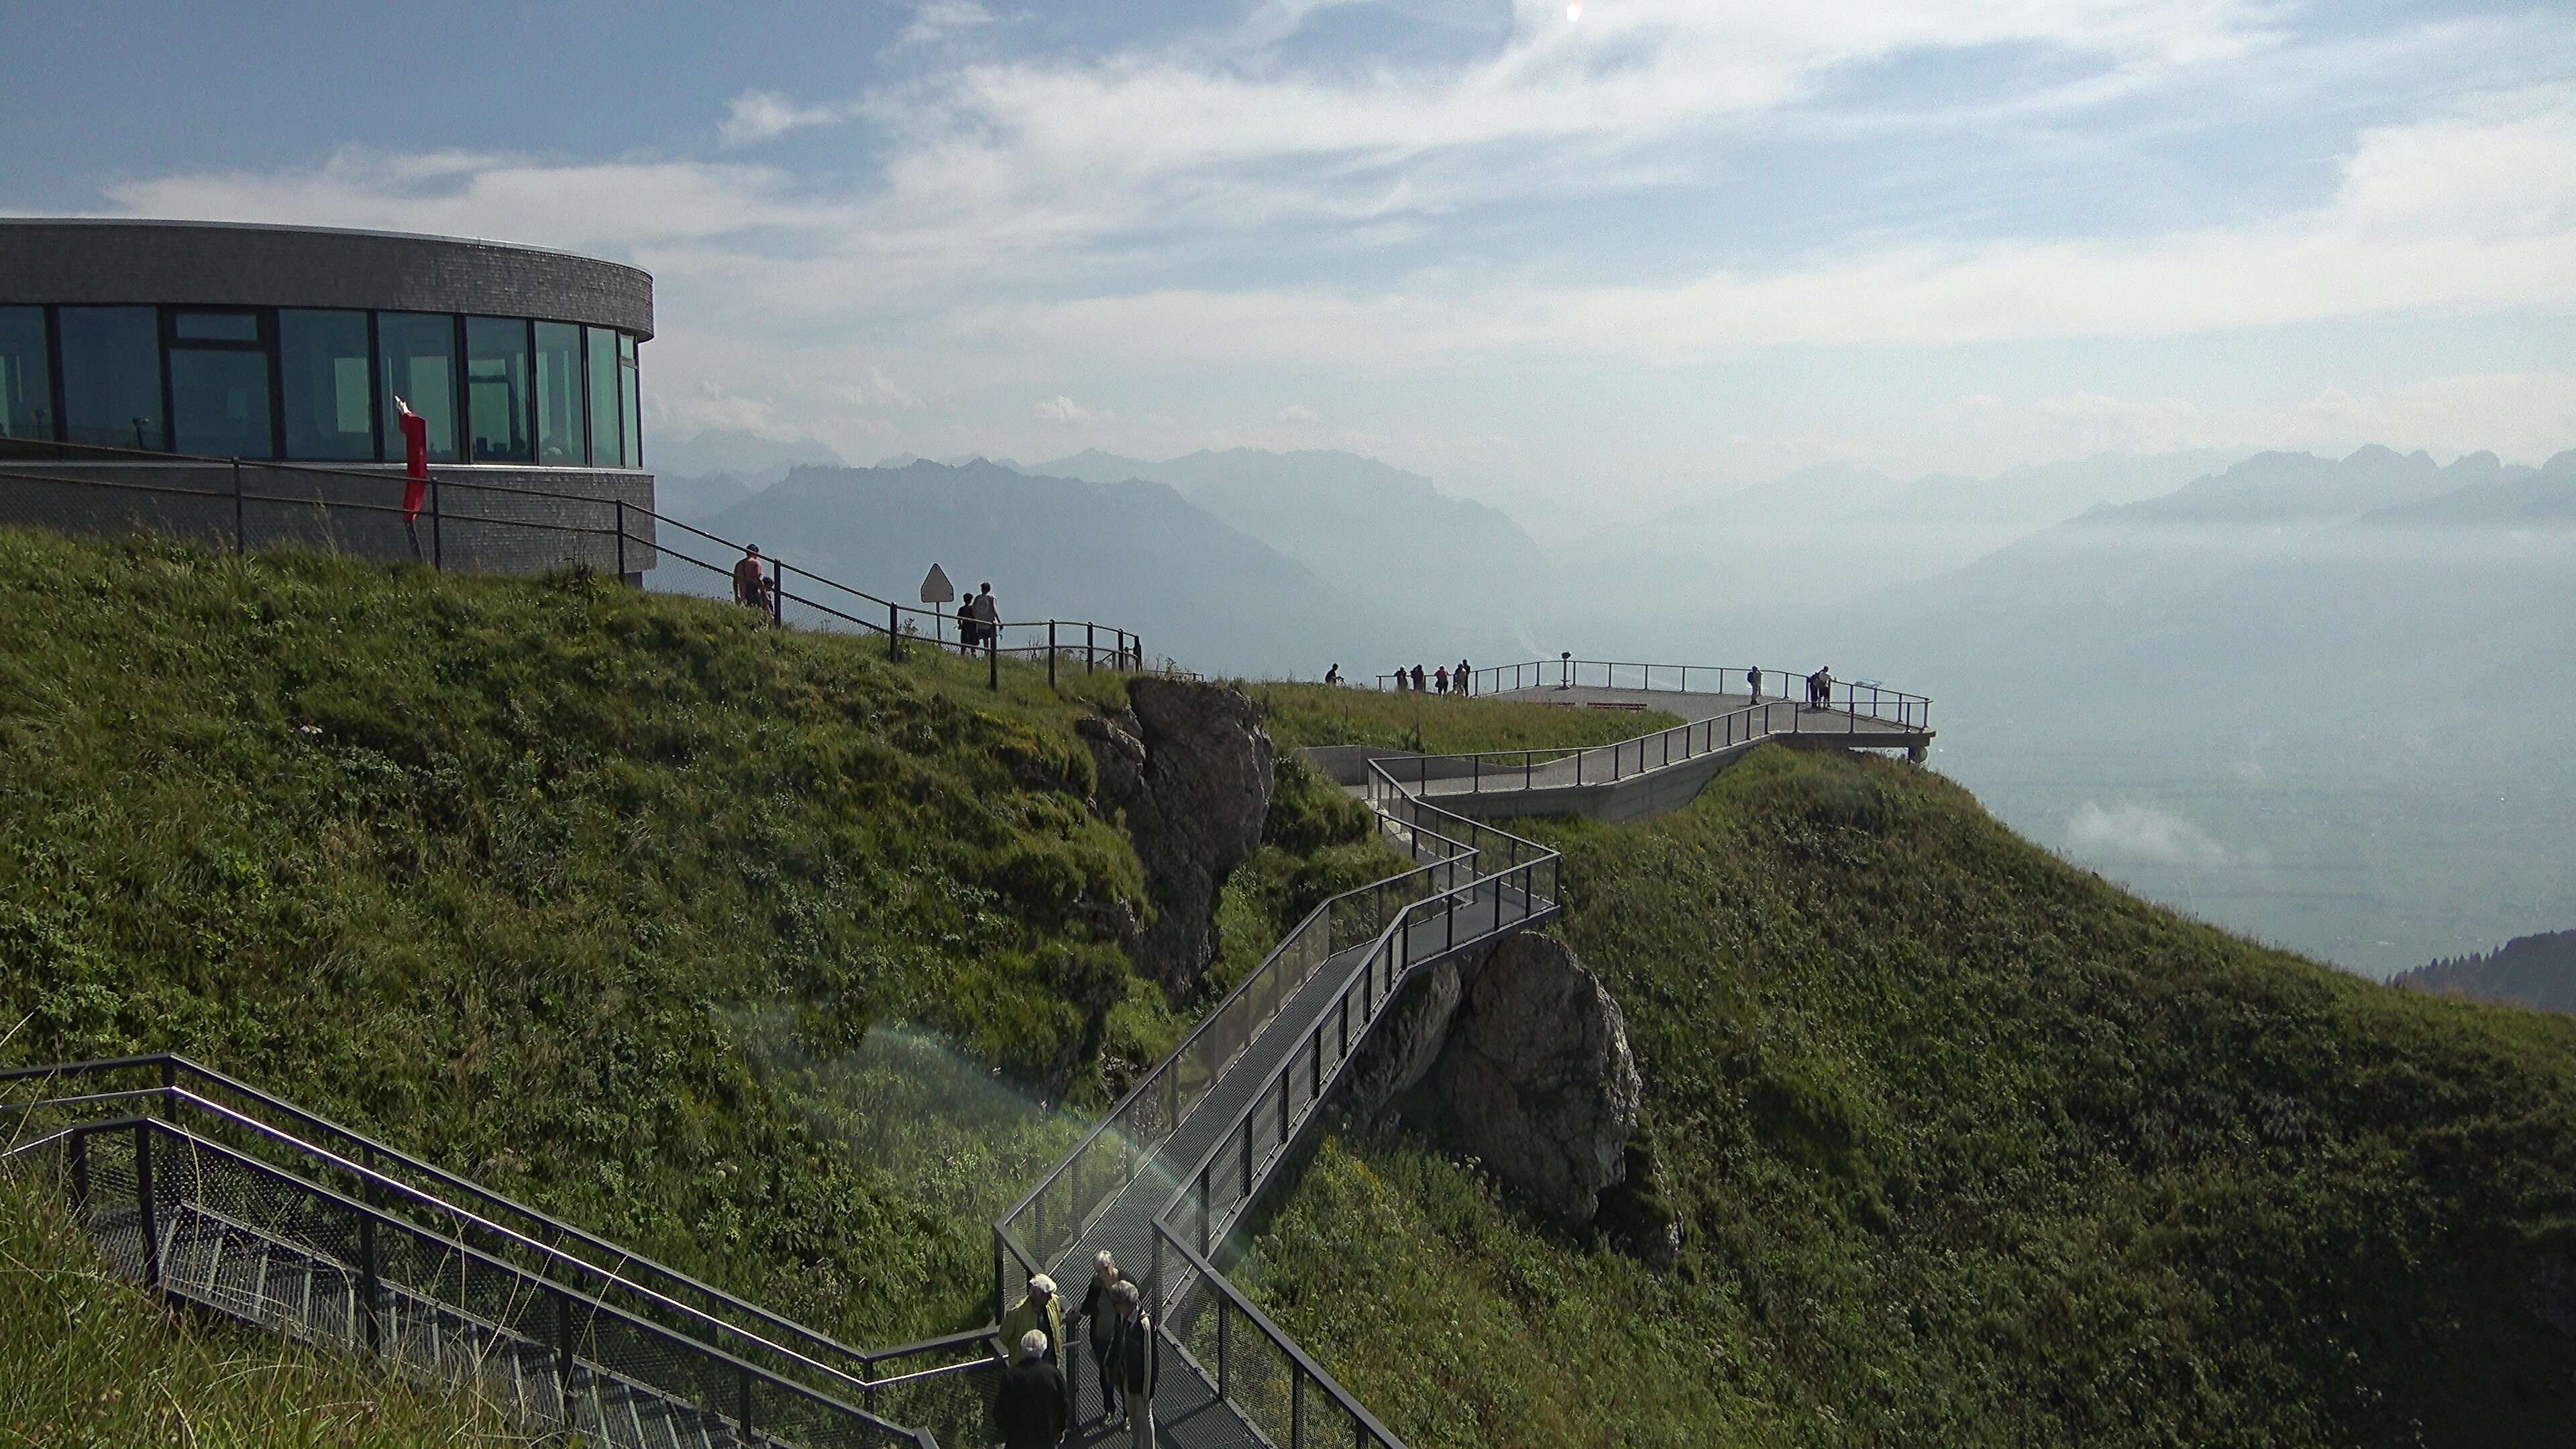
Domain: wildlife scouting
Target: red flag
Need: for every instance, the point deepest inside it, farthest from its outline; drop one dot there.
(415, 431)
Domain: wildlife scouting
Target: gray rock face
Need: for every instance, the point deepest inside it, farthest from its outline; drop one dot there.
(1404, 1045)
(1539, 1078)
(1190, 765)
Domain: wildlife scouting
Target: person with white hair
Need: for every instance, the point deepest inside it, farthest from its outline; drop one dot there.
(1139, 1359)
(1043, 1311)
(1100, 1305)
(1029, 1409)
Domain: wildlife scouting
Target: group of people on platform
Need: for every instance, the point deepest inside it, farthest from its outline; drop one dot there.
(1034, 1408)
(1443, 680)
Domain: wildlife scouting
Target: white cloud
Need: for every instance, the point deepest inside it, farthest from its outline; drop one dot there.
(2130, 832)
(1062, 409)
(758, 115)
(936, 20)
(1298, 415)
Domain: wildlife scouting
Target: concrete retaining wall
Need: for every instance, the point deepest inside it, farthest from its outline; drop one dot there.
(475, 530)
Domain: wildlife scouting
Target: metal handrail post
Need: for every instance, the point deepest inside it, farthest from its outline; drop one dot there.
(894, 633)
(1050, 653)
(621, 540)
(240, 535)
(993, 659)
(437, 528)
(1090, 647)
(147, 1213)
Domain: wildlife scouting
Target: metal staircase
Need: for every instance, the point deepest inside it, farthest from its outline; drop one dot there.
(223, 1198)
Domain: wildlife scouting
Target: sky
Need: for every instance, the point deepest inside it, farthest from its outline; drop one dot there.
(1572, 259)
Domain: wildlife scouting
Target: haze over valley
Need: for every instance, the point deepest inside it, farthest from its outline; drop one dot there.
(2309, 697)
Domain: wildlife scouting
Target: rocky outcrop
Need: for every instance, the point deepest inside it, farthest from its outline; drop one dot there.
(1537, 1078)
(1190, 767)
(1404, 1045)
(1637, 1218)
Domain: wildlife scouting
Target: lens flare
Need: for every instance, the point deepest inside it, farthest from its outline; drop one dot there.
(1574, 12)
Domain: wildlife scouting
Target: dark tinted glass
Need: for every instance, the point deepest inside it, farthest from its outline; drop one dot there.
(607, 439)
(215, 326)
(497, 389)
(560, 421)
(633, 396)
(219, 401)
(26, 376)
(112, 376)
(417, 351)
(330, 408)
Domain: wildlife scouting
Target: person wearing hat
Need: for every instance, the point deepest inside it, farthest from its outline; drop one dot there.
(1043, 1312)
(750, 589)
(1029, 1409)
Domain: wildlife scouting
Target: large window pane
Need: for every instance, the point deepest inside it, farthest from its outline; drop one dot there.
(26, 375)
(330, 408)
(634, 412)
(560, 423)
(607, 439)
(418, 352)
(219, 401)
(112, 376)
(496, 389)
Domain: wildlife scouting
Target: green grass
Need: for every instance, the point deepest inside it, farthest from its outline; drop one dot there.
(1319, 714)
(87, 1359)
(616, 902)
(1972, 1149)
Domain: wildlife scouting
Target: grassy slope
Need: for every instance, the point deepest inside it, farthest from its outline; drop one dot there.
(1317, 714)
(1973, 1149)
(609, 900)
(89, 1359)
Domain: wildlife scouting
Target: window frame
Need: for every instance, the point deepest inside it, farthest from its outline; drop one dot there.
(262, 341)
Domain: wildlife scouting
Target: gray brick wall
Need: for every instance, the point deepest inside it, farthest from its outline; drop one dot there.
(476, 528)
(110, 262)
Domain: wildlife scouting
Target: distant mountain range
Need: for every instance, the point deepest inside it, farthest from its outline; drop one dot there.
(1132, 554)
(1827, 531)
(2318, 698)
(2536, 971)
(697, 477)
(1450, 567)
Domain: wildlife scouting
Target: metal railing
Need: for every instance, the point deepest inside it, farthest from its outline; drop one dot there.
(1249, 1361)
(1750, 682)
(242, 505)
(1521, 771)
(270, 1181)
(1055, 1214)
(1478, 883)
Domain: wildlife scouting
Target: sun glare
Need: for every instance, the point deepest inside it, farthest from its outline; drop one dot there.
(1574, 12)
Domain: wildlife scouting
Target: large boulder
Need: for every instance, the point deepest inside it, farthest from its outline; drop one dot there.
(1189, 765)
(1538, 1079)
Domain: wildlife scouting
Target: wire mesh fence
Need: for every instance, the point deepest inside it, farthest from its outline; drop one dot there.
(230, 1214)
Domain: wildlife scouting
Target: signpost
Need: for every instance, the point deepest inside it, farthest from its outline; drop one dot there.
(936, 590)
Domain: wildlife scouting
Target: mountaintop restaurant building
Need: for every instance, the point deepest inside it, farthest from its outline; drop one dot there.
(290, 345)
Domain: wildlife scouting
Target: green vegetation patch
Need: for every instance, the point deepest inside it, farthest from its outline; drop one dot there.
(1322, 714)
(1973, 1148)
(609, 900)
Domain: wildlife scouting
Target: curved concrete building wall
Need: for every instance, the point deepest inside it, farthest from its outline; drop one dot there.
(525, 510)
(106, 263)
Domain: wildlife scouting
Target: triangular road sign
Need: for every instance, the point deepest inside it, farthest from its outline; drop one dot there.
(935, 588)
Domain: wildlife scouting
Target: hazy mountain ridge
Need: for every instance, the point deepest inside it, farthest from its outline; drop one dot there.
(2535, 971)
(2304, 696)
(745, 455)
(1460, 572)
(1133, 554)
